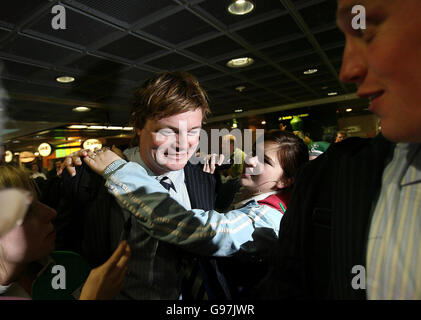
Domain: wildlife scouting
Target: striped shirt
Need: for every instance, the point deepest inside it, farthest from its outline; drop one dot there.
(393, 252)
(252, 228)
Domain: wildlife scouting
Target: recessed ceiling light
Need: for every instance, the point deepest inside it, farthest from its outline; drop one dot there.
(263, 122)
(8, 156)
(240, 7)
(240, 62)
(77, 126)
(96, 127)
(238, 110)
(348, 110)
(65, 79)
(81, 109)
(310, 71)
(240, 88)
(332, 94)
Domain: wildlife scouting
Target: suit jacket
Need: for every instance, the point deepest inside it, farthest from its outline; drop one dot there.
(325, 229)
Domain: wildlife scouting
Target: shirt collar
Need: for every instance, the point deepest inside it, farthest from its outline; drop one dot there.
(256, 198)
(411, 154)
(133, 155)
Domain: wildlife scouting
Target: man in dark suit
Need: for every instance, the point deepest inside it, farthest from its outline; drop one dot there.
(352, 228)
(167, 115)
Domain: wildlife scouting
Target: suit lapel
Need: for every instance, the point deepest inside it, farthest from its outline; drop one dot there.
(200, 187)
(358, 180)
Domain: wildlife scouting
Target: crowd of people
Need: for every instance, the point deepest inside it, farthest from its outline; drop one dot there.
(287, 220)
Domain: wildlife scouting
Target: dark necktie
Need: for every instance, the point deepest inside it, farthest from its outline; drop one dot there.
(167, 183)
(194, 284)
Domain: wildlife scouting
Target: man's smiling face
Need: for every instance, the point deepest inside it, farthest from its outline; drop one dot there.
(384, 62)
(167, 144)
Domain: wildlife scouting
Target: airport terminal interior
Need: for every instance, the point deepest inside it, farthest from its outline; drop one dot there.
(69, 73)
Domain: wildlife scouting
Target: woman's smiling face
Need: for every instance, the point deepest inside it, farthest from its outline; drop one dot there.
(263, 176)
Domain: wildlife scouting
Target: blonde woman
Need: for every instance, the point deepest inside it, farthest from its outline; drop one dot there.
(26, 247)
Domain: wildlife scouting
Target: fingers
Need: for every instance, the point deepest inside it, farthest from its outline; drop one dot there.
(117, 264)
(117, 151)
(67, 163)
(122, 251)
(211, 160)
(221, 159)
(71, 161)
(122, 263)
(98, 161)
(206, 165)
(90, 161)
(121, 278)
(212, 163)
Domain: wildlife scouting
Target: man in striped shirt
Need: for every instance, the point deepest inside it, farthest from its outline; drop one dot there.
(353, 226)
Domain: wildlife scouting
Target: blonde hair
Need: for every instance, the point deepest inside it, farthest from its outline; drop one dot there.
(14, 177)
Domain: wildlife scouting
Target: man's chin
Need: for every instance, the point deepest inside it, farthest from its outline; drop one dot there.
(400, 135)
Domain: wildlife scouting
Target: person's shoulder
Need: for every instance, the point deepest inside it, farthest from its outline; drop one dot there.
(353, 146)
(351, 150)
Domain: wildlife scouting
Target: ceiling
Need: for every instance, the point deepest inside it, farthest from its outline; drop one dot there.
(111, 46)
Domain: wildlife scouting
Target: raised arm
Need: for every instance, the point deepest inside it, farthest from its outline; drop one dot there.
(199, 231)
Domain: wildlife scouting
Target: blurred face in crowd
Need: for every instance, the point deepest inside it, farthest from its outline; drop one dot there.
(339, 137)
(58, 164)
(263, 177)
(32, 240)
(167, 144)
(384, 62)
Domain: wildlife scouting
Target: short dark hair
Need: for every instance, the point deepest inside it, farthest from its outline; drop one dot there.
(292, 153)
(167, 94)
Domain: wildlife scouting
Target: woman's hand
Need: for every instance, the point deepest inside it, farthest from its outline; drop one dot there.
(71, 161)
(211, 160)
(99, 160)
(75, 159)
(105, 281)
